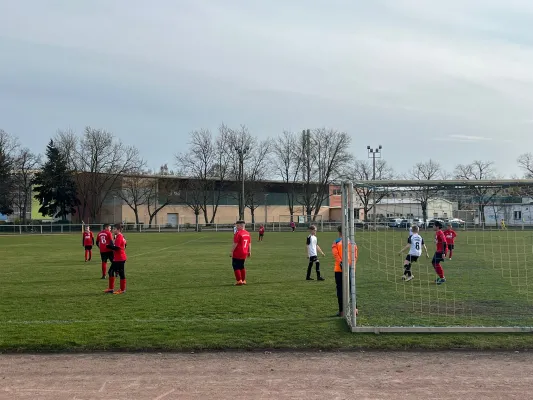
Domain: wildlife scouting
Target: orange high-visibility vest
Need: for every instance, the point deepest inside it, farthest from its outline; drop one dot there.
(336, 250)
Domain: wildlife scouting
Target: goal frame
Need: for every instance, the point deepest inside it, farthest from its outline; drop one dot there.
(349, 225)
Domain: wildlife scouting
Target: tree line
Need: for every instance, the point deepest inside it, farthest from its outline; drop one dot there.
(79, 172)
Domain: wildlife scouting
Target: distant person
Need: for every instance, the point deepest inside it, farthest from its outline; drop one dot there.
(415, 244)
(293, 226)
(502, 224)
(104, 238)
(312, 248)
(450, 240)
(336, 250)
(119, 261)
(241, 250)
(88, 243)
(261, 233)
(440, 252)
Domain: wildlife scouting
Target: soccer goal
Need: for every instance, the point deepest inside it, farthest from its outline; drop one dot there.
(489, 229)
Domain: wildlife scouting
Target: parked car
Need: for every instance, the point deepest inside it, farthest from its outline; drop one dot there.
(394, 222)
(431, 222)
(406, 223)
(419, 222)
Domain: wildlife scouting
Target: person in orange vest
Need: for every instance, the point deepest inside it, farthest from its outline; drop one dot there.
(336, 249)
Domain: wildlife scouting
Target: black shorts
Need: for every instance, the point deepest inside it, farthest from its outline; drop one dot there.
(411, 258)
(313, 259)
(450, 246)
(261, 234)
(108, 256)
(437, 258)
(237, 263)
(88, 248)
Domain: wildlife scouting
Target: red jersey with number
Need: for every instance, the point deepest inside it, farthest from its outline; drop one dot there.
(103, 239)
(440, 240)
(120, 253)
(450, 236)
(261, 231)
(88, 238)
(242, 239)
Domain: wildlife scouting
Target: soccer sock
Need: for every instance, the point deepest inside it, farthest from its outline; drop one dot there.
(90, 254)
(86, 254)
(123, 284)
(450, 255)
(309, 268)
(407, 269)
(237, 273)
(111, 282)
(439, 271)
(318, 269)
(243, 274)
(104, 268)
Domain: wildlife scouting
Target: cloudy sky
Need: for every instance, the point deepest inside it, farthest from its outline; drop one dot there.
(452, 80)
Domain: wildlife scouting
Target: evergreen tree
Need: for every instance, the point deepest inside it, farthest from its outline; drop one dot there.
(55, 187)
(6, 181)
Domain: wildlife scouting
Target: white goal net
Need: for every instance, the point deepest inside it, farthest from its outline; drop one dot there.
(481, 283)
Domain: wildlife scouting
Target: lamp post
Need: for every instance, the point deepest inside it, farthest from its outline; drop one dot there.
(241, 151)
(374, 153)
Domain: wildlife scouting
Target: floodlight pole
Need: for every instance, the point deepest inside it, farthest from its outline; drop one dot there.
(374, 153)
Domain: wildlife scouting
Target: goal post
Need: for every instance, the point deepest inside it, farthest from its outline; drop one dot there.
(348, 246)
(487, 275)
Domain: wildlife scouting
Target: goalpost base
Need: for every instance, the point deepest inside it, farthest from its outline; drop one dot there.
(444, 329)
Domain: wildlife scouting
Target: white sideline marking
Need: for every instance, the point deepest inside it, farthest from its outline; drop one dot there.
(150, 321)
(166, 248)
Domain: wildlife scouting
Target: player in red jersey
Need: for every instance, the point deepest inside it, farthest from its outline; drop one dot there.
(241, 250)
(450, 239)
(104, 238)
(88, 243)
(119, 261)
(440, 252)
(261, 233)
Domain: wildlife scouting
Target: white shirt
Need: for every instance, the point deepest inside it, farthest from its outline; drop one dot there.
(416, 242)
(411, 231)
(311, 246)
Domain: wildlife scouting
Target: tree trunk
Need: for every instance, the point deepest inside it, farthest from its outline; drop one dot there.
(197, 220)
(252, 213)
(206, 218)
(150, 220)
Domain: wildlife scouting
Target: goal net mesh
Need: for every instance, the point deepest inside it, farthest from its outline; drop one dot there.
(489, 276)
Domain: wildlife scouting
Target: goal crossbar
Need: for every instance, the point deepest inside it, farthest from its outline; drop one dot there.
(441, 329)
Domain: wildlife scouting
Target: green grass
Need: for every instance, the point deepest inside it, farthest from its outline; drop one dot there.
(181, 294)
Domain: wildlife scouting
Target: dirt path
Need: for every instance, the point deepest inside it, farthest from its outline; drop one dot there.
(385, 375)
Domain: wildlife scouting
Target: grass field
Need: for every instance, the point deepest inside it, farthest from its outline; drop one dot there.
(181, 294)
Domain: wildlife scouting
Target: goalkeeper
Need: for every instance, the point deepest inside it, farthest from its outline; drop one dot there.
(336, 249)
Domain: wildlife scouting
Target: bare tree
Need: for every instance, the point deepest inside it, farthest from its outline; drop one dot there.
(205, 162)
(255, 174)
(8, 146)
(136, 189)
(25, 166)
(160, 193)
(363, 171)
(479, 170)
(525, 162)
(427, 171)
(324, 156)
(99, 160)
(287, 160)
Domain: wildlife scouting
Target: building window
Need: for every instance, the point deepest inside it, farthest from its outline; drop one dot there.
(435, 215)
(445, 215)
(518, 215)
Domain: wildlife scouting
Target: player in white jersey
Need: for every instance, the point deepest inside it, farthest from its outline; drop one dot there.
(411, 230)
(234, 229)
(415, 243)
(312, 248)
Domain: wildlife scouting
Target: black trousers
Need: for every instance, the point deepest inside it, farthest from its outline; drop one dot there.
(117, 268)
(338, 284)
